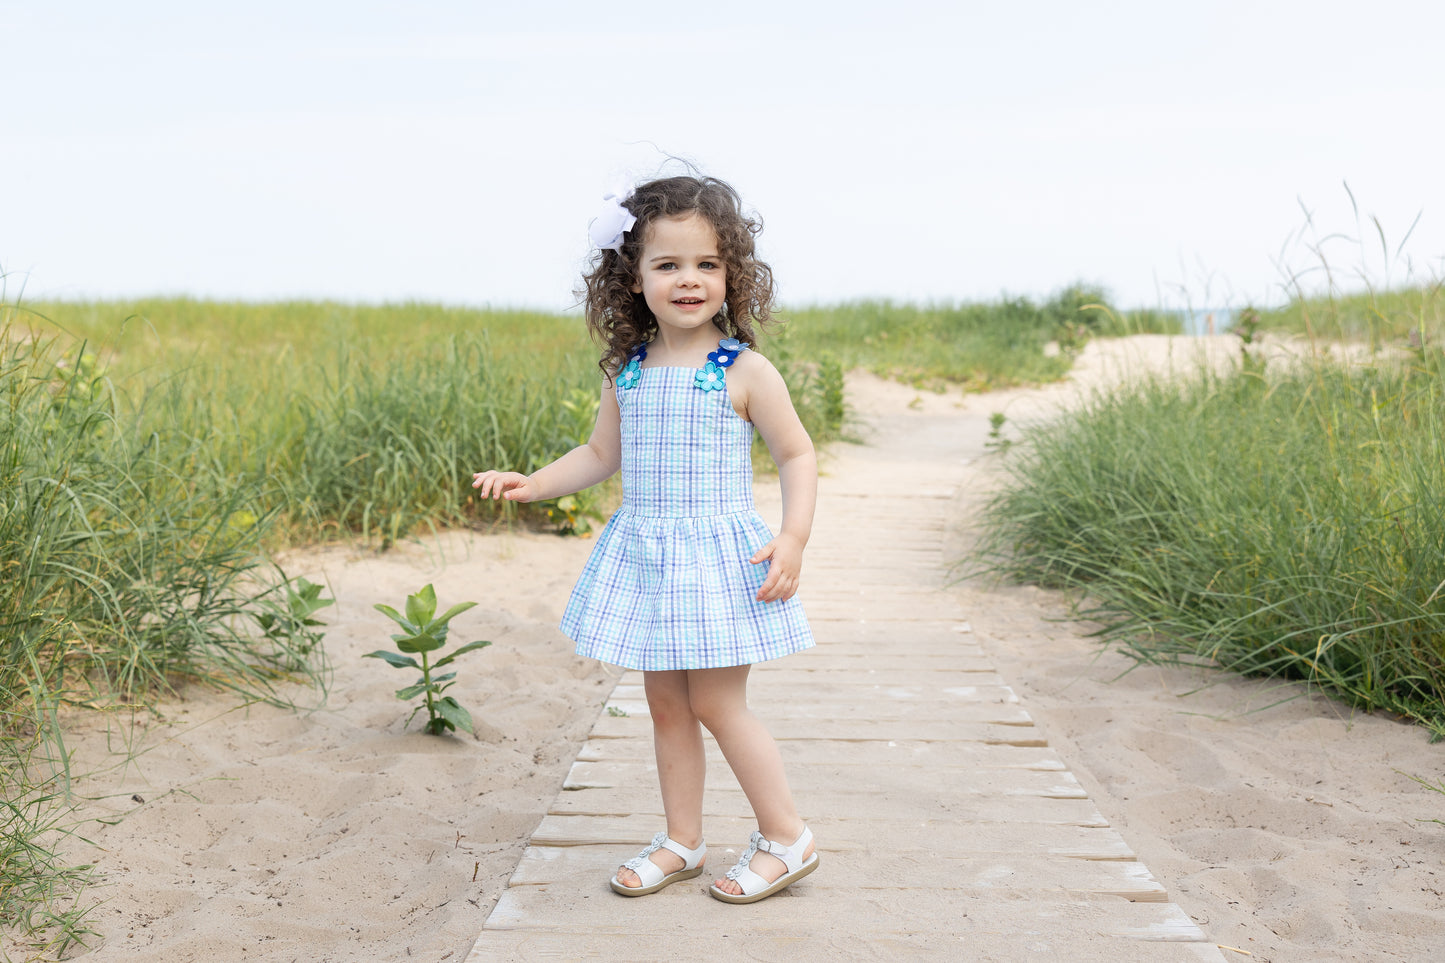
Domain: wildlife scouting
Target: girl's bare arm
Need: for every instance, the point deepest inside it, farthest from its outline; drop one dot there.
(582, 467)
(770, 409)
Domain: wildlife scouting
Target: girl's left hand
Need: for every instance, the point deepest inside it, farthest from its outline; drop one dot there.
(786, 553)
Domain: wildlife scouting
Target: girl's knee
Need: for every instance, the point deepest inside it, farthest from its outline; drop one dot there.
(668, 711)
(716, 710)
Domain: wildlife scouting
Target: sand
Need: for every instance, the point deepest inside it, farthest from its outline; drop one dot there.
(255, 833)
(1278, 820)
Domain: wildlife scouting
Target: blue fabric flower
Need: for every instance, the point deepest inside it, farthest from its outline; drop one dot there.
(710, 377)
(732, 345)
(721, 358)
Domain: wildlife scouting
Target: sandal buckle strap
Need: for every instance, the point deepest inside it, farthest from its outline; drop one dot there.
(758, 842)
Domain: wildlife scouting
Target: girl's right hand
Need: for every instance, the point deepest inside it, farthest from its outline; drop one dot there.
(512, 486)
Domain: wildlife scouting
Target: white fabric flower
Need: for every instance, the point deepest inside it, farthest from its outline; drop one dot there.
(613, 222)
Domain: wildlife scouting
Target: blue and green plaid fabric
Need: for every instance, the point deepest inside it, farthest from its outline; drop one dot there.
(669, 585)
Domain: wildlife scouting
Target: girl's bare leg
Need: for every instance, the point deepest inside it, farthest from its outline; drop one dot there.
(719, 700)
(681, 766)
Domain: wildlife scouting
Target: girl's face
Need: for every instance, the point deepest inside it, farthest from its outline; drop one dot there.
(683, 277)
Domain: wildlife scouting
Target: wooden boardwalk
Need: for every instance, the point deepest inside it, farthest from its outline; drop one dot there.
(948, 828)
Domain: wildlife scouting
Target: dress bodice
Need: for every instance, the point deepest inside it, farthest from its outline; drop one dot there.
(685, 451)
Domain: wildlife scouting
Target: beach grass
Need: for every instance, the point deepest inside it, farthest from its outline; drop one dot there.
(368, 420)
(1281, 521)
(978, 346)
(128, 569)
(330, 420)
(42, 909)
(1400, 316)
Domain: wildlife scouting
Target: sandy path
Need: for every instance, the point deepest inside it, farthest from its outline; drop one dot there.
(1283, 829)
(1278, 820)
(947, 828)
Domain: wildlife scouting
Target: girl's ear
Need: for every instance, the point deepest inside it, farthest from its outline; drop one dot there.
(636, 288)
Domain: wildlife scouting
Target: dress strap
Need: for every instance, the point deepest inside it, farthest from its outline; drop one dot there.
(631, 372)
(712, 376)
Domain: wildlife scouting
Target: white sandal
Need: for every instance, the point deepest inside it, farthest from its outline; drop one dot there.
(650, 874)
(756, 887)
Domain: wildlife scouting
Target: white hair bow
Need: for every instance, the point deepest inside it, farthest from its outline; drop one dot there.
(614, 221)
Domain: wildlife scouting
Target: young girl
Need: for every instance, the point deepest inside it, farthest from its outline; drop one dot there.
(686, 582)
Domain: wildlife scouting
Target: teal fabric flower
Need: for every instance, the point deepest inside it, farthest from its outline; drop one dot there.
(710, 377)
(630, 375)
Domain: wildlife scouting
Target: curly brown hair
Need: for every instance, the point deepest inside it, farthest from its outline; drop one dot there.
(621, 321)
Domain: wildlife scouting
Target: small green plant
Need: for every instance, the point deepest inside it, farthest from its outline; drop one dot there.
(422, 634)
(292, 625)
(996, 440)
(617, 712)
(572, 515)
(1247, 326)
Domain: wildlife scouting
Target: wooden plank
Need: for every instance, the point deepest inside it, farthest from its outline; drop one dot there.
(894, 564)
(587, 906)
(921, 610)
(891, 561)
(783, 673)
(740, 943)
(942, 631)
(829, 691)
(778, 710)
(917, 781)
(882, 652)
(857, 871)
(801, 679)
(837, 834)
(877, 660)
(624, 800)
(854, 730)
(880, 661)
(825, 752)
(906, 595)
(882, 648)
(872, 665)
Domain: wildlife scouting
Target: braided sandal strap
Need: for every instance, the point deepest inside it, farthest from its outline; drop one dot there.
(649, 873)
(791, 857)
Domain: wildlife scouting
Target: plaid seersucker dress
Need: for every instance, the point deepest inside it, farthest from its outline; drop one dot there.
(669, 585)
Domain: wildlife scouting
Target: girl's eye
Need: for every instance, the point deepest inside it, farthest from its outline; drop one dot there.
(709, 265)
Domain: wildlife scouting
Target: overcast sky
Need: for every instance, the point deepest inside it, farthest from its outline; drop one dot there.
(951, 151)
